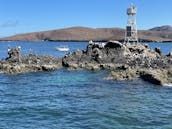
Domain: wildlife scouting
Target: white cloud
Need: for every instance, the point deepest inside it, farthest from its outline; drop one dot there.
(9, 24)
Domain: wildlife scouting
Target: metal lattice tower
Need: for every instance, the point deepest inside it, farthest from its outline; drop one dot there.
(131, 28)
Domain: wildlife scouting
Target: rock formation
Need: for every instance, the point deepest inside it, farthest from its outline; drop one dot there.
(126, 61)
(16, 62)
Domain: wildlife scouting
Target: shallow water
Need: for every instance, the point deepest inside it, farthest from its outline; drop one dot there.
(83, 99)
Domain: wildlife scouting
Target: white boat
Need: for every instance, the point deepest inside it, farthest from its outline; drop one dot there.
(62, 48)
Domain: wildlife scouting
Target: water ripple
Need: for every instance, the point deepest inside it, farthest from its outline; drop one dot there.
(65, 99)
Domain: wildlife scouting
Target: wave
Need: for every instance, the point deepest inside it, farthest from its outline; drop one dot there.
(168, 85)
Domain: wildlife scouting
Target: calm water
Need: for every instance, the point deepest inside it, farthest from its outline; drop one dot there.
(65, 99)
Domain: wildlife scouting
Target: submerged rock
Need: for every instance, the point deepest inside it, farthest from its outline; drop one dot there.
(158, 76)
(128, 74)
(154, 76)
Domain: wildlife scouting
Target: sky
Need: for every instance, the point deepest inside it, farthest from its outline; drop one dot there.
(22, 16)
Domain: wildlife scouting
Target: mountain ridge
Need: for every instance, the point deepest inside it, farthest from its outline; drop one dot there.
(166, 28)
(79, 33)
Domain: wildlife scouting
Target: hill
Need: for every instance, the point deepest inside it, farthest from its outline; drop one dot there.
(86, 34)
(166, 28)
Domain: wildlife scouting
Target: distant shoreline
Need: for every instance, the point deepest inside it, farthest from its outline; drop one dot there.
(85, 34)
(142, 41)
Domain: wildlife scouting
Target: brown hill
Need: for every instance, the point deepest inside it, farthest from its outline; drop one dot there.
(86, 34)
(166, 28)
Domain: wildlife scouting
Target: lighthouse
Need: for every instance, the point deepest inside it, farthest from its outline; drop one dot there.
(131, 28)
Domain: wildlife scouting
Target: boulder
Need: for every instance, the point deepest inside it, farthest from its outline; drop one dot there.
(128, 74)
(156, 76)
(113, 44)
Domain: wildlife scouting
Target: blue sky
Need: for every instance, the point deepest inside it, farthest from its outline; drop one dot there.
(22, 16)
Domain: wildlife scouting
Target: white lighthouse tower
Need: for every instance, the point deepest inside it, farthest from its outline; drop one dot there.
(131, 28)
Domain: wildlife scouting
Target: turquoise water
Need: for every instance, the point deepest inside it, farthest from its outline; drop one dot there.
(82, 99)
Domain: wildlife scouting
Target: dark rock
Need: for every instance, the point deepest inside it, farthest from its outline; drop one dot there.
(146, 45)
(113, 44)
(158, 77)
(158, 50)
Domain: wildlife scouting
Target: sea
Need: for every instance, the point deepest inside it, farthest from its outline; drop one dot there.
(79, 99)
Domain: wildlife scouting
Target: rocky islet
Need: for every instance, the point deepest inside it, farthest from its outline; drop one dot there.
(16, 62)
(124, 61)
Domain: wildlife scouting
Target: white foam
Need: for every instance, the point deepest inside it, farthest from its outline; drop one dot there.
(168, 85)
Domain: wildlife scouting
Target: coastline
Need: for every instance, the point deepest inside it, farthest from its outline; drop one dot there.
(141, 41)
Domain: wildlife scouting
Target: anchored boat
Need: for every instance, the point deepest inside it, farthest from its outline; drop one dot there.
(62, 48)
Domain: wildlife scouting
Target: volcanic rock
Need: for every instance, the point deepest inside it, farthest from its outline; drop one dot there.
(126, 61)
(16, 62)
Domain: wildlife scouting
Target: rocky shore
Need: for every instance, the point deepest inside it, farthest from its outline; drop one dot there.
(124, 61)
